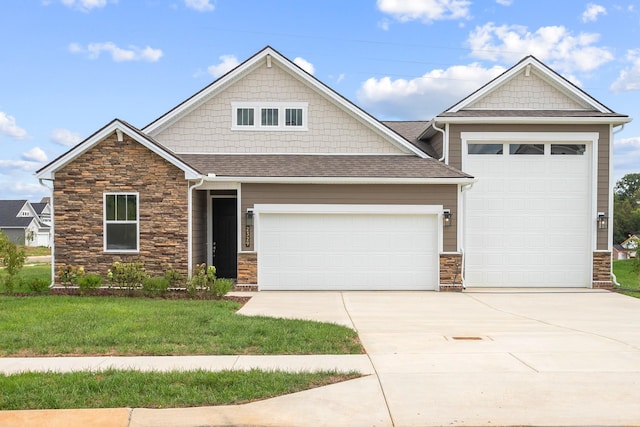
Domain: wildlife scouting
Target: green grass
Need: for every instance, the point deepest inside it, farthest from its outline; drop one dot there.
(627, 276)
(134, 389)
(56, 325)
(36, 250)
(26, 275)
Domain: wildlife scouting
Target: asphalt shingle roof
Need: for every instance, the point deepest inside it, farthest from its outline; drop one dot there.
(8, 211)
(322, 166)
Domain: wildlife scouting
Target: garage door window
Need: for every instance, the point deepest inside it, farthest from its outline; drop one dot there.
(485, 149)
(526, 149)
(568, 149)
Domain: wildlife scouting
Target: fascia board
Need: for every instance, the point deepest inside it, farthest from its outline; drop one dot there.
(48, 173)
(338, 180)
(535, 120)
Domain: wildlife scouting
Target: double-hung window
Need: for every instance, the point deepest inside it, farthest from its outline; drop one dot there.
(270, 116)
(121, 222)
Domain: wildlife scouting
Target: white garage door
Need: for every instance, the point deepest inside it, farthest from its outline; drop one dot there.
(527, 219)
(347, 250)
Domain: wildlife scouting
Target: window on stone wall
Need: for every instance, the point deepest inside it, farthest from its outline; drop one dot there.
(121, 222)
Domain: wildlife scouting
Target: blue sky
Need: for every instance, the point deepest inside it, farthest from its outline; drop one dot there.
(68, 67)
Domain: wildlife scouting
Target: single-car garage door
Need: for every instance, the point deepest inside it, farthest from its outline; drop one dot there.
(347, 247)
(528, 218)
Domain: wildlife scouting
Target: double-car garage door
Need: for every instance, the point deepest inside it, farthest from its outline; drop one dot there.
(347, 247)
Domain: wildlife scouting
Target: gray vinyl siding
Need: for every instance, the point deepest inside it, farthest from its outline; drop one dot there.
(603, 184)
(446, 195)
(199, 242)
(16, 235)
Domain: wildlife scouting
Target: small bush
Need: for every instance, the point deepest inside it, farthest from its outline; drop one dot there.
(10, 283)
(174, 278)
(221, 287)
(38, 285)
(129, 275)
(89, 282)
(69, 274)
(155, 286)
(203, 279)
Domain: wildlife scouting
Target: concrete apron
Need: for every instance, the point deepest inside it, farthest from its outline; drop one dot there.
(498, 357)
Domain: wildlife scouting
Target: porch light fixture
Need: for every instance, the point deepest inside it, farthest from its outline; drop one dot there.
(446, 217)
(603, 221)
(247, 228)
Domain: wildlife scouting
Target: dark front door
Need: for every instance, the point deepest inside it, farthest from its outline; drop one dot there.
(225, 237)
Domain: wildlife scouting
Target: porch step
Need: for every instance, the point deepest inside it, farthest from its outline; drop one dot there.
(245, 288)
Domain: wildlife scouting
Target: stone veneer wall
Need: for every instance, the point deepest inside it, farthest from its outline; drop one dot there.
(126, 166)
(451, 272)
(247, 268)
(602, 270)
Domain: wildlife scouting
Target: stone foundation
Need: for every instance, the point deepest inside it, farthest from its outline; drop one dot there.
(451, 272)
(247, 268)
(602, 270)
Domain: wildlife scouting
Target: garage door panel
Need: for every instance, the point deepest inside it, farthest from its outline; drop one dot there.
(347, 251)
(545, 223)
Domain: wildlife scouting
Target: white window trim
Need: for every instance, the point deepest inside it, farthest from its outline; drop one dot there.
(257, 116)
(104, 222)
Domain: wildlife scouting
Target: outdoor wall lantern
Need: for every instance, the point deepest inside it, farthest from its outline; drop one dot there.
(446, 217)
(247, 228)
(603, 221)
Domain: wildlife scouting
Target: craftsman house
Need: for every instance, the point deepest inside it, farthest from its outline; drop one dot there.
(26, 223)
(282, 183)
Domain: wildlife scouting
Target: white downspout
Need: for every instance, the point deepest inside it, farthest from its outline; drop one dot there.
(614, 279)
(444, 141)
(190, 224)
(52, 237)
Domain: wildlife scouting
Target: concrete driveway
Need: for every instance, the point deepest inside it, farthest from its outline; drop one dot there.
(491, 357)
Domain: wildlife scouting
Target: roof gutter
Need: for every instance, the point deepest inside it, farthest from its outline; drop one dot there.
(537, 120)
(337, 180)
(445, 142)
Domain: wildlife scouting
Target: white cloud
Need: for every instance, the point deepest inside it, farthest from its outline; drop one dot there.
(423, 97)
(36, 154)
(305, 65)
(426, 11)
(555, 45)
(384, 25)
(592, 12)
(227, 63)
(626, 156)
(65, 137)
(23, 165)
(8, 126)
(629, 78)
(84, 5)
(200, 5)
(118, 54)
(504, 2)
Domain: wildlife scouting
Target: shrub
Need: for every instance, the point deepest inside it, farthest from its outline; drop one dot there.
(89, 282)
(155, 286)
(221, 287)
(202, 279)
(129, 275)
(174, 278)
(10, 283)
(12, 257)
(38, 285)
(69, 274)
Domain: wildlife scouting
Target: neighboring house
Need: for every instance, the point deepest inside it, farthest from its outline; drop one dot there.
(280, 181)
(619, 252)
(21, 221)
(630, 244)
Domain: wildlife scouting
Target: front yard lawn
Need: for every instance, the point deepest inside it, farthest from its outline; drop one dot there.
(134, 389)
(627, 276)
(55, 326)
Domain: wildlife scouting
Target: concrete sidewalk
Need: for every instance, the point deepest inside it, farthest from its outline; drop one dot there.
(490, 357)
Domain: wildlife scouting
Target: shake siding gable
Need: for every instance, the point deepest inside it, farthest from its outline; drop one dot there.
(207, 128)
(110, 167)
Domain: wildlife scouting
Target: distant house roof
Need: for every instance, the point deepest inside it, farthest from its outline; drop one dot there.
(39, 207)
(9, 218)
